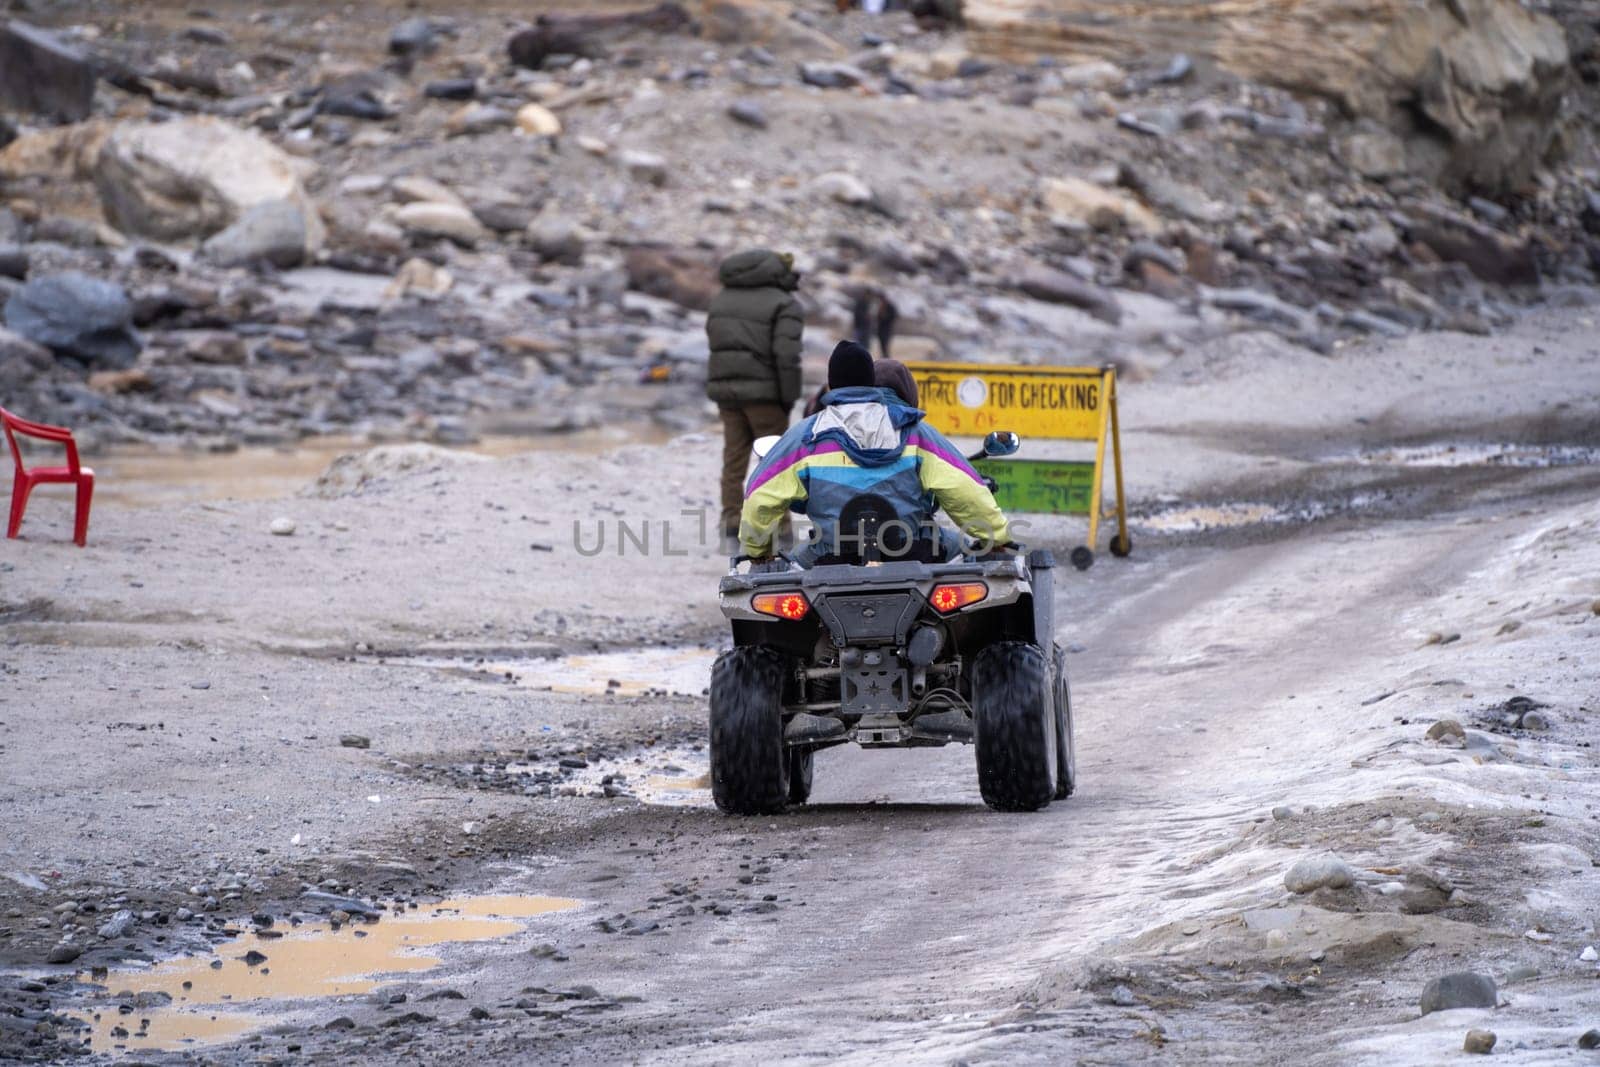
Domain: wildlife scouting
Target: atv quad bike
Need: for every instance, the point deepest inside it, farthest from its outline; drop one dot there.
(889, 652)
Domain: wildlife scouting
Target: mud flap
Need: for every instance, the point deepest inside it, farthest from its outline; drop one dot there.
(1042, 565)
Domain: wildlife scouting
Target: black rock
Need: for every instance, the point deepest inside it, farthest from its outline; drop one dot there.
(207, 35)
(41, 74)
(1589, 1040)
(77, 317)
(1463, 989)
(13, 262)
(1591, 209)
(452, 89)
(254, 958)
(831, 75)
(335, 902)
(354, 97)
(749, 113)
(8, 131)
(413, 37)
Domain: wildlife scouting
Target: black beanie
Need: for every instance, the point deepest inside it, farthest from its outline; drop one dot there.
(849, 365)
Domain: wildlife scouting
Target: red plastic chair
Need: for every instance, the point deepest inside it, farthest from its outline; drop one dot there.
(72, 474)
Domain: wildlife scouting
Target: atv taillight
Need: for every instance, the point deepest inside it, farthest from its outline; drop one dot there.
(791, 606)
(948, 598)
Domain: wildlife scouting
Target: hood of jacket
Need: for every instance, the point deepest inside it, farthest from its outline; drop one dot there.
(757, 268)
(869, 423)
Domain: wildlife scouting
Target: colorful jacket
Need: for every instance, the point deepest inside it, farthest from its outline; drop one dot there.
(865, 440)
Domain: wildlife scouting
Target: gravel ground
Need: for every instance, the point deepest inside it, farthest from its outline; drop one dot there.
(175, 701)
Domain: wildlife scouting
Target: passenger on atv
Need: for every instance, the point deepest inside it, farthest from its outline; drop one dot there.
(865, 442)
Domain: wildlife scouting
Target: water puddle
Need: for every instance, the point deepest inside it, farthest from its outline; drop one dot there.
(1483, 455)
(152, 477)
(681, 671)
(183, 1003)
(667, 775)
(1211, 516)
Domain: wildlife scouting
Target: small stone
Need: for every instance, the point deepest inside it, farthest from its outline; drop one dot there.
(1479, 1041)
(749, 113)
(1282, 813)
(117, 926)
(1535, 720)
(536, 120)
(844, 188)
(65, 952)
(644, 166)
(354, 741)
(1462, 989)
(1123, 997)
(433, 219)
(1326, 871)
(282, 527)
(478, 118)
(1589, 954)
(254, 958)
(1448, 732)
(1589, 1040)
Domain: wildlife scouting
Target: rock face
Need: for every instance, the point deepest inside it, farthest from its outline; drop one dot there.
(193, 177)
(43, 75)
(78, 317)
(1463, 989)
(1473, 87)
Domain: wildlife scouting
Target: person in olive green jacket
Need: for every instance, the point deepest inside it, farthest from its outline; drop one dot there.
(754, 328)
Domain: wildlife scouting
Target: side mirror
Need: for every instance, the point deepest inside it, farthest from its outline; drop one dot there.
(1001, 443)
(763, 445)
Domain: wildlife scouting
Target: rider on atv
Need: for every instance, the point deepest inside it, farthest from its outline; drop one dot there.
(865, 439)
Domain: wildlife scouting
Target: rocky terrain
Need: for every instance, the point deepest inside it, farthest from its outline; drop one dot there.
(436, 224)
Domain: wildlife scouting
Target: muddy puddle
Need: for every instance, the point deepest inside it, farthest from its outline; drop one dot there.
(678, 671)
(1475, 454)
(250, 981)
(1197, 517)
(145, 477)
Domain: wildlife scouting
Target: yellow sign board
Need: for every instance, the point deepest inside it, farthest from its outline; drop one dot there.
(1064, 403)
(970, 399)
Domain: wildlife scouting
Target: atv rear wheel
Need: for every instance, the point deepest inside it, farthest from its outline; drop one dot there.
(749, 765)
(1014, 720)
(800, 763)
(1066, 754)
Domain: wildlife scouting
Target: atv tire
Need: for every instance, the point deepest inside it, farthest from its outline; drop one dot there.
(1066, 754)
(749, 765)
(800, 763)
(1014, 720)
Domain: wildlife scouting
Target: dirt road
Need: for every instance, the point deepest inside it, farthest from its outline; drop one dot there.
(1249, 694)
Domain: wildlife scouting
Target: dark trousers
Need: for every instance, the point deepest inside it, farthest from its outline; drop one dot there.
(740, 428)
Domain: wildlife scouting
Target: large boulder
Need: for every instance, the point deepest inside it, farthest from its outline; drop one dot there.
(41, 74)
(1474, 87)
(685, 276)
(77, 317)
(193, 177)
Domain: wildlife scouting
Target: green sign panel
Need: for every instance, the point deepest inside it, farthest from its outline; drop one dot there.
(1042, 486)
